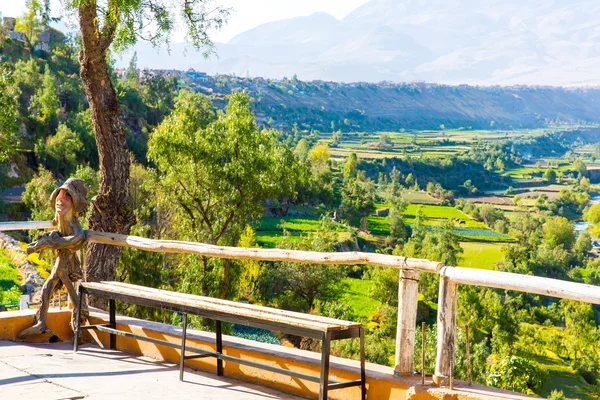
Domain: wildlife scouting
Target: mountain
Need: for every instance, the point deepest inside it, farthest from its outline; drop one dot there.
(506, 42)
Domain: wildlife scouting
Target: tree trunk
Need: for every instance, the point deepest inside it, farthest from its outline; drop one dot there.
(111, 211)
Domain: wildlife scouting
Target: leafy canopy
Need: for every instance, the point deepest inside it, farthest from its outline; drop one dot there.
(218, 172)
(124, 22)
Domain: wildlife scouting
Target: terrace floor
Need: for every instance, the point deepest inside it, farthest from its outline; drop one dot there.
(54, 371)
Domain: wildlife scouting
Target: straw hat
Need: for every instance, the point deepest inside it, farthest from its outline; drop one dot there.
(78, 191)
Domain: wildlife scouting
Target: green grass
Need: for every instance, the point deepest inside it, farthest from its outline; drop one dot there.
(435, 211)
(298, 224)
(562, 377)
(9, 280)
(8, 272)
(481, 255)
(534, 344)
(357, 297)
(270, 231)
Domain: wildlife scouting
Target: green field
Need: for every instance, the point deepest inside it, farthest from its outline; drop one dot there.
(357, 297)
(271, 229)
(426, 143)
(481, 255)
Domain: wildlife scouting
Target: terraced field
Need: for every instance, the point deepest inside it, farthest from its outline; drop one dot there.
(433, 215)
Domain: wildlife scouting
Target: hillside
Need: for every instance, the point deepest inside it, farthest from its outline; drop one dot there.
(386, 106)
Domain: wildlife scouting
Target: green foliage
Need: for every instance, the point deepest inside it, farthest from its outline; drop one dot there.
(9, 117)
(9, 280)
(218, 173)
(301, 151)
(298, 286)
(592, 214)
(356, 203)
(350, 167)
(517, 373)
(250, 270)
(558, 231)
(81, 124)
(90, 177)
(59, 152)
(45, 103)
(550, 176)
(557, 395)
(37, 195)
(442, 245)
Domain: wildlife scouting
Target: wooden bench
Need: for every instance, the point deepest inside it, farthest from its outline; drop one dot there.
(306, 325)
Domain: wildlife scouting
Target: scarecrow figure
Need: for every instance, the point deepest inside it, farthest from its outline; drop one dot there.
(68, 202)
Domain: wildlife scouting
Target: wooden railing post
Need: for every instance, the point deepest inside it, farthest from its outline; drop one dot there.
(446, 329)
(408, 298)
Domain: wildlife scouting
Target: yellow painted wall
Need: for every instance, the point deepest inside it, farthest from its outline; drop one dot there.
(381, 383)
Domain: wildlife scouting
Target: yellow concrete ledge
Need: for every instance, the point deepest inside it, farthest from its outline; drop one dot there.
(381, 382)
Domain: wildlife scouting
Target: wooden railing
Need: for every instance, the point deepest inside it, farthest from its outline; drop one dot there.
(409, 270)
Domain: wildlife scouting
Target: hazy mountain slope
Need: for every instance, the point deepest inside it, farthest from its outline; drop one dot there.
(373, 107)
(549, 42)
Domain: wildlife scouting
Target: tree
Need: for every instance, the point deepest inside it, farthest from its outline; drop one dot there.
(442, 244)
(9, 117)
(301, 151)
(397, 227)
(592, 214)
(45, 102)
(550, 176)
(297, 286)
(217, 173)
(34, 19)
(356, 203)
(159, 93)
(36, 195)
(120, 24)
(350, 167)
(319, 159)
(410, 180)
(59, 152)
(558, 231)
(580, 167)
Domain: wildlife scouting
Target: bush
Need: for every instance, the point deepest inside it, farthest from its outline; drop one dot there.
(557, 395)
(518, 374)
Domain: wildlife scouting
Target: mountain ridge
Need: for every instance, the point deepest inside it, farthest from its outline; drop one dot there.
(450, 42)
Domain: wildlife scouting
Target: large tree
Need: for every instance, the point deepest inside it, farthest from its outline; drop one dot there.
(217, 171)
(120, 24)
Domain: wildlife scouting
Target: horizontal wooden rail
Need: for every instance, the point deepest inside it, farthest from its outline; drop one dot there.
(523, 283)
(243, 253)
(25, 225)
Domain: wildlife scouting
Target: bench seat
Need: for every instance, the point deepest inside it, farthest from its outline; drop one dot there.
(306, 325)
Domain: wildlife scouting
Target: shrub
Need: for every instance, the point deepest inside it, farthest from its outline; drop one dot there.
(518, 374)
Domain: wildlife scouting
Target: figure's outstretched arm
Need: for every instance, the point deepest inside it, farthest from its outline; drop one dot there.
(52, 240)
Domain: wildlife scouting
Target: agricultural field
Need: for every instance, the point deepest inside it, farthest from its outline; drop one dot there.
(465, 226)
(272, 230)
(481, 255)
(427, 143)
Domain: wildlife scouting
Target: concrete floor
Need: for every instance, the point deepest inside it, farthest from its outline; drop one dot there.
(54, 371)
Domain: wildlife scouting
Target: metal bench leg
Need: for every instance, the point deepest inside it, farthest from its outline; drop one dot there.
(325, 366)
(78, 326)
(113, 322)
(182, 356)
(363, 387)
(219, 349)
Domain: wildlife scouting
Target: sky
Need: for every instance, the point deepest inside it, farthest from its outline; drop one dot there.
(247, 14)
